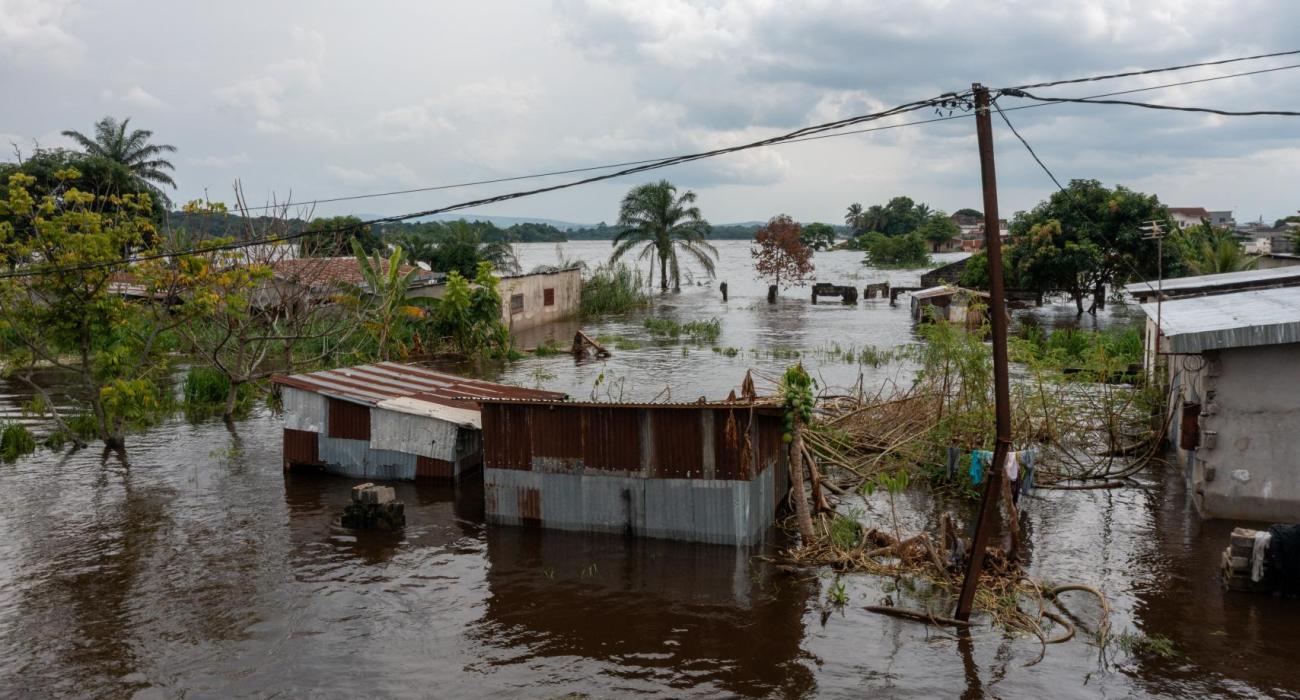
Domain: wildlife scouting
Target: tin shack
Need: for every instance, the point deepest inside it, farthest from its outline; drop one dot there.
(704, 472)
(387, 421)
(1233, 363)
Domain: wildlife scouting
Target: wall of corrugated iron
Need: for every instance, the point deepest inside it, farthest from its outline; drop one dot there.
(347, 420)
(669, 442)
(431, 468)
(304, 410)
(418, 435)
(300, 447)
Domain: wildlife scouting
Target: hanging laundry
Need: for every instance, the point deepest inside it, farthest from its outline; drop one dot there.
(1257, 554)
(978, 459)
(1012, 465)
(1027, 479)
(954, 458)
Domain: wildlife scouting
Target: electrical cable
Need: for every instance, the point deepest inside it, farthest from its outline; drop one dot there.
(1149, 71)
(1011, 92)
(608, 166)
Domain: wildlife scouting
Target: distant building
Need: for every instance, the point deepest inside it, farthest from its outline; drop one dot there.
(532, 300)
(1187, 217)
(1233, 363)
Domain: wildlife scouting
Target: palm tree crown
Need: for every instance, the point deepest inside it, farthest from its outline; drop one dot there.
(655, 217)
(132, 150)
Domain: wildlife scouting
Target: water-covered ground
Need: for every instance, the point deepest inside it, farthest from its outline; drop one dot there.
(191, 565)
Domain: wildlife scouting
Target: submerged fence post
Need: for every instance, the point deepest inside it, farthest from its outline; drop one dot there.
(1001, 390)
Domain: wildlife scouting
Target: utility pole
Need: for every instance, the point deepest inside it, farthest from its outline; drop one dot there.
(1001, 385)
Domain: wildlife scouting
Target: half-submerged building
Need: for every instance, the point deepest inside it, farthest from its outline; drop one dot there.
(704, 472)
(1234, 370)
(388, 421)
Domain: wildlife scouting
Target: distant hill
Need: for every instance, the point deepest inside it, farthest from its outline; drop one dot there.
(506, 221)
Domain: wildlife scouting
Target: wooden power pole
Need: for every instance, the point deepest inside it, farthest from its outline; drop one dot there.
(1001, 387)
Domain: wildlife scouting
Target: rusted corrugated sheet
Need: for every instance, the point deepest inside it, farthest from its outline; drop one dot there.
(678, 444)
(506, 437)
(1189, 427)
(370, 384)
(556, 432)
(300, 447)
(730, 433)
(611, 439)
(433, 468)
(349, 421)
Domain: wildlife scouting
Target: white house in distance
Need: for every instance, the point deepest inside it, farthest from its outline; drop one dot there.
(1233, 361)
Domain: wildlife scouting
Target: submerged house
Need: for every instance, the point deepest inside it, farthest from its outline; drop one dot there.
(704, 472)
(531, 300)
(387, 421)
(948, 303)
(1234, 375)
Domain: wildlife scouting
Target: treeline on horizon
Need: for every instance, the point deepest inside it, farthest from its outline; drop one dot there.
(210, 225)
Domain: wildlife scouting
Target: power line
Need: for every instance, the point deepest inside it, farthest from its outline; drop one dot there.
(1149, 71)
(805, 132)
(1050, 174)
(608, 166)
(1012, 92)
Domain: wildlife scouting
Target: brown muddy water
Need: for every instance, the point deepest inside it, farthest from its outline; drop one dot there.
(191, 565)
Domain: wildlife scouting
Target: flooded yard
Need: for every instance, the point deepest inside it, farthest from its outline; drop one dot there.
(192, 565)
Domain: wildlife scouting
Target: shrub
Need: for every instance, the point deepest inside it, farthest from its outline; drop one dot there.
(910, 251)
(15, 441)
(613, 289)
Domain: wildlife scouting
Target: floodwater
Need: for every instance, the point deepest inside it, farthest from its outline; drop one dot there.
(191, 565)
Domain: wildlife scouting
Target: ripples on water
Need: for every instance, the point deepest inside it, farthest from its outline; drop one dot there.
(194, 566)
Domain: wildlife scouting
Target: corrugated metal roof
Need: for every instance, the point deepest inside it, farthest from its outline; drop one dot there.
(411, 389)
(945, 290)
(1238, 319)
(1222, 280)
(761, 402)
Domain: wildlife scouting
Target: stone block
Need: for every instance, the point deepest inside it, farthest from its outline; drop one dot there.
(359, 492)
(1243, 537)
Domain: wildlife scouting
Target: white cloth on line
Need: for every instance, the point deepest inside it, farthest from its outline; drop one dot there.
(1012, 465)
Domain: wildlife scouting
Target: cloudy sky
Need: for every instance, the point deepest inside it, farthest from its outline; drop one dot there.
(317, 99)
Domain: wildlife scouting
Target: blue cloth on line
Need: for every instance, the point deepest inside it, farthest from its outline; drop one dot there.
(978, 460)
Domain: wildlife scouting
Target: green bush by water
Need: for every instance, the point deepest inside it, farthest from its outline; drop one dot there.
(613, 289)
(15, 441)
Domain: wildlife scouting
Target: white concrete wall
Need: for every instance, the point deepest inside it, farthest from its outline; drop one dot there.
(568, 298)
(1250, 399)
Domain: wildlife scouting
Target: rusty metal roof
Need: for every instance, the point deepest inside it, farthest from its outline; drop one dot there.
(1239, 319)
(761, 402)
(408, 388)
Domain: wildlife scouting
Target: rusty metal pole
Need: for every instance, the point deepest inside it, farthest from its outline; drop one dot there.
(1001, 387)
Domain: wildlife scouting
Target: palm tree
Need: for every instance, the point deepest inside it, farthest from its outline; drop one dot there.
(874, 218)
(1207, 250)
(132, 150)
(853, 217)
(653, 216)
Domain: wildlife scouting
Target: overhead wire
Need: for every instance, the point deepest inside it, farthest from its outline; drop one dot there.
(1150, 71)
(608, 166)
(820, 131)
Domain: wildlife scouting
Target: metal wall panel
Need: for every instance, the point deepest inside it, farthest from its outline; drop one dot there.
(677, 437)
(300, 447)
(611, 439)
(730, 430)
(556, 432)
(506, 441)
(417, 435)
(348, 421)
(433, 468)
(304, 410)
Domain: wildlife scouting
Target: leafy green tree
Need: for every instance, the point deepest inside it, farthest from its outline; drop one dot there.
(133, 151)
(976, 273)
(462, 247)
(968, 212)
(938, 229)
(908, 251)
(655, 218)
(818, 236)
(68, 311)
(1097, 242)
(469, 318)
(332, 237)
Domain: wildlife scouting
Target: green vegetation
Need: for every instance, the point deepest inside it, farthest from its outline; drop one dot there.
(938, 229)
(1094, 352)
(132, 151)
(458, 246)
(818, 236)
(15, 441)
(333, 236)
(1206, 250)
(654, 218)
(907, 251)
(696, 331)
(898, 217)
(1153, 645)
(469, 319)
(548, 349)
(207, 388)
(613, 289)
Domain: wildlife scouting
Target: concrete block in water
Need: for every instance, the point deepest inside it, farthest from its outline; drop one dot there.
(374, 507)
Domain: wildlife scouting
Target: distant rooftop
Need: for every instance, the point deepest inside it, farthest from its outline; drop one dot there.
(1236, 320)
(1217, 283)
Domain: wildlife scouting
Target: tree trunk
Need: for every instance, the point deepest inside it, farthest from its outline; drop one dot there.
(232, 398)
(663, 273)
(1078, 300)
(796, 485)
